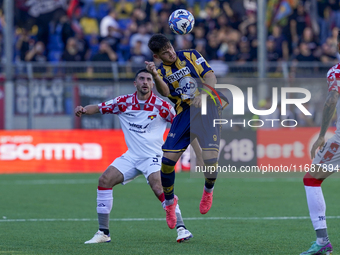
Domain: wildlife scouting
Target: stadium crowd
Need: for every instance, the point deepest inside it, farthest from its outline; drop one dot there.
(108, 30)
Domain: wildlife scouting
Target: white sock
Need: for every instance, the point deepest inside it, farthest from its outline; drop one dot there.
(317, 207)
(208, 190)
(104, 201)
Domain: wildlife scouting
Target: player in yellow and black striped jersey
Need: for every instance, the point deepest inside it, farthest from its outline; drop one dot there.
(181, 77)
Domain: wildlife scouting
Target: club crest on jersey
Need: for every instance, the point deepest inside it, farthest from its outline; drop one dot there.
(182, 63)
(151, 117)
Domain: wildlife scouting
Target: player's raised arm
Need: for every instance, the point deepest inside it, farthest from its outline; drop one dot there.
(88, 110)
(327, 114)
(210, 79)
(161, 86)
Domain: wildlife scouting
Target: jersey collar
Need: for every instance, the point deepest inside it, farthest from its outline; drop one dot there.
(135, 99)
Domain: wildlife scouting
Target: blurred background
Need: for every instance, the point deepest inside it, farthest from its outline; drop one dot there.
(56, 54)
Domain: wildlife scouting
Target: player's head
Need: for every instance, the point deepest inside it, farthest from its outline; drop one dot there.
(143, 82)
(162, 49)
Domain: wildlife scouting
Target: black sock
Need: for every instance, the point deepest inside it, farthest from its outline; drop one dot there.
(106, 231)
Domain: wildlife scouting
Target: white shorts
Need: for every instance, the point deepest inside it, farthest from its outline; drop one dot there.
(132, 168)
(329, 156)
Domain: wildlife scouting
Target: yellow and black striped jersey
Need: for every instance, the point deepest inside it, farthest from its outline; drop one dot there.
(184, 77)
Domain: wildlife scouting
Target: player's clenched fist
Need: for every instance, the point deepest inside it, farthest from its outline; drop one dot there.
(151, 67)
(79, 111)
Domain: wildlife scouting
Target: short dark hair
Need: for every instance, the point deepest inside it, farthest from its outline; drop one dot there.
(158, 42)
(339, 36)
(142, 71)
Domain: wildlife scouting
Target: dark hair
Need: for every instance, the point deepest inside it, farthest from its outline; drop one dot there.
(158, 42)
(141, 71)
(339, 36)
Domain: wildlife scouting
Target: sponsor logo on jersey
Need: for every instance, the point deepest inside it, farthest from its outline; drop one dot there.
(200, 60)
(129, 114)
(151, 117)
(178, 74)
(187, 87)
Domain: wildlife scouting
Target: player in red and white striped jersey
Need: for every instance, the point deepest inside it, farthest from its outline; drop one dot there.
(143, 117)
(325, 162)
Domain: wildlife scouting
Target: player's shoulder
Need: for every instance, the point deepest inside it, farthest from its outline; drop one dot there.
(334, 70)
(160, 101)
(124, 98)
(186, 51)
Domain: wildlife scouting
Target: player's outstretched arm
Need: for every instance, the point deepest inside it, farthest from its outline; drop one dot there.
(89, 110)
(327, 114)
(161, 86)
(210, 79)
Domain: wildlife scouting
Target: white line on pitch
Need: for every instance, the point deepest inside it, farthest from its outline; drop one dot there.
(139, 180)
(162, 219)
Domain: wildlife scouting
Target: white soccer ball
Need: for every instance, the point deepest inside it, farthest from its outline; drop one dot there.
(181, 22)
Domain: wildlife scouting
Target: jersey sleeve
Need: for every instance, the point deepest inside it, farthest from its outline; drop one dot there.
(333, 79)
(167, 112)
(113, 106)
(200, 63)
(159, 70)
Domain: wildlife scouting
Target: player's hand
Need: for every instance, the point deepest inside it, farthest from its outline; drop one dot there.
(318, 144)
(197, 101)
(79, 111)
(151, 67)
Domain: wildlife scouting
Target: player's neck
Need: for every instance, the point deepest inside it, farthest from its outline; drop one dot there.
(143, 97)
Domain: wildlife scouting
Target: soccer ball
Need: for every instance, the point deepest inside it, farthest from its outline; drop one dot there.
(181, 22)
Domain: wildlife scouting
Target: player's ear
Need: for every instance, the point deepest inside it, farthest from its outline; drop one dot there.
(135, 83)
(156, 56)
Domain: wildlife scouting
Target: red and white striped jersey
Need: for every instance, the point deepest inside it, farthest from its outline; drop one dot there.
(333, 80)
(143, 124)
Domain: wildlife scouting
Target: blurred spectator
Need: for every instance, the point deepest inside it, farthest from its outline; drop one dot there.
(137, 58)
(66, 30)
(105, 53)
(329, 52)
(94, 45)
(272, 53)
(109, 21)
(281, 44)
(211, 48)
(143, 37)
(244, 55)
(37, 54)
(305, 53)
(177, 4)
(111, 40)
(311, 41)
(83, 46)
(24, 44)
(232, 52)
(199, 39)
(71, 52)
(299, 20)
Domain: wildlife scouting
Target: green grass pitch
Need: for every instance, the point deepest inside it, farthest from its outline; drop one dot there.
(58, 214)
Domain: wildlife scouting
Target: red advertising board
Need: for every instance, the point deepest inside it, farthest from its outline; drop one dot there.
(2, 106)
(59, 151)
(287, 146)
